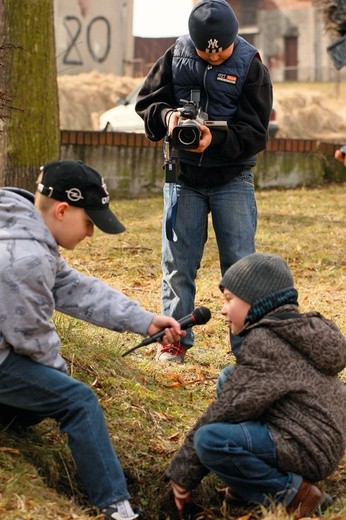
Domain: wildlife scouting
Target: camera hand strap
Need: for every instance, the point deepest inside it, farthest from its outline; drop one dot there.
(172, 213)
(171, 175)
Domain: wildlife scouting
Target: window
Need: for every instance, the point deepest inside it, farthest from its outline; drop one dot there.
(248, 12)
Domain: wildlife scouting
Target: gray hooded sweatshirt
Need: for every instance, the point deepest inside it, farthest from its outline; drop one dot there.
(35, 280)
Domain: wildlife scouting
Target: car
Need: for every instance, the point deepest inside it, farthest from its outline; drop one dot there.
(124, 118)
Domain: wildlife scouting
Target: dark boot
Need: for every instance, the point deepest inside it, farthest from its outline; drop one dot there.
(306, 502)
(233, 499)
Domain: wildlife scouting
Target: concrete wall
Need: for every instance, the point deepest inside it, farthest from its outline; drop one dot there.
(132, 166)
(94, 35)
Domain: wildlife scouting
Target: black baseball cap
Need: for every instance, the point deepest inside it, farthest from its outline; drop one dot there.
(82, 186)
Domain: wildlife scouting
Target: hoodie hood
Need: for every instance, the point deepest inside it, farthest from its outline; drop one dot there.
(315, 337)
(20, 220)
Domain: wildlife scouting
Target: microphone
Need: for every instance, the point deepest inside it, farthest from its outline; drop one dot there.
(198, 317)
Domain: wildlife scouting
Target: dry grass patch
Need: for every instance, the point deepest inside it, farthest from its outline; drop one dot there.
(150, 407)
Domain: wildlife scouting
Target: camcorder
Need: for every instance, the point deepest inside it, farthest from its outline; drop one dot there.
(186, 135)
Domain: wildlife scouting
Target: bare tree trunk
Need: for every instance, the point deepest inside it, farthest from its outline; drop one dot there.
(30, 128)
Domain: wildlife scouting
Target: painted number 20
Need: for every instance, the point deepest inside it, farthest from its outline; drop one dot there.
(73, 25)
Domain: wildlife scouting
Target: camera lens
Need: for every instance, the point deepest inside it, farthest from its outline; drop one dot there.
(187, 136)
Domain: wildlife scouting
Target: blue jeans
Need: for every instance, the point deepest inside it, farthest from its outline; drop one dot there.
(243, 455)
(31, 392)
(234, 218)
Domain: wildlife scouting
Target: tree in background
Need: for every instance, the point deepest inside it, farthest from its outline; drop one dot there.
(334, 16)
(29, 109)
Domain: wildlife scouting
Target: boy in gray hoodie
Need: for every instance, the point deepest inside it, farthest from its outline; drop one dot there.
(35, 280)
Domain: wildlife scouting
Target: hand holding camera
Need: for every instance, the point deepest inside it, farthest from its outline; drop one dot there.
(191, 132)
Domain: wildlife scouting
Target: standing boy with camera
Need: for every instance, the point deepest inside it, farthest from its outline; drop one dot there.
(216, 176)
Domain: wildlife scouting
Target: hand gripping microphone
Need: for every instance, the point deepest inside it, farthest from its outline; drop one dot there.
(198, 317)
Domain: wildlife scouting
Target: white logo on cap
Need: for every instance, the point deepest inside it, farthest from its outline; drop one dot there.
(104, 186)
(74, 195)
(105, 200)
(213, 46)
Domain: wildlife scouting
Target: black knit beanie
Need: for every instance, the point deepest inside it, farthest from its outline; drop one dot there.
(213, 26)
(257, 276)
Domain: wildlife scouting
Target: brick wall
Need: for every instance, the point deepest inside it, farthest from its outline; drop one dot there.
(132, 165)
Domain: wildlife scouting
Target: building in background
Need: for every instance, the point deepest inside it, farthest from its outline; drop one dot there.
(290, 34)
(94, 35)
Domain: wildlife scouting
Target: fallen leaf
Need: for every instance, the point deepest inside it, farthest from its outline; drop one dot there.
(10, 450)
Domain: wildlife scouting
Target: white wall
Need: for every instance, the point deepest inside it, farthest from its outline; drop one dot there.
(94, 35)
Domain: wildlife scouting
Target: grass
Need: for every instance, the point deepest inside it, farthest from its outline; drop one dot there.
(332, 89)
(149, 408)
